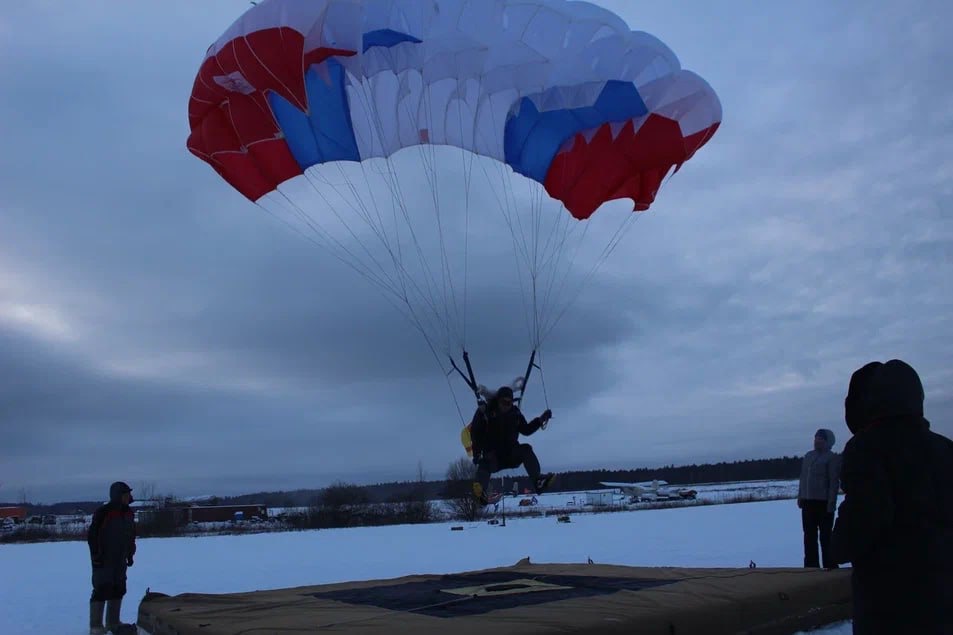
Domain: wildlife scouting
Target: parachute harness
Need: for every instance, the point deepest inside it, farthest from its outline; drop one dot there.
(481, 393)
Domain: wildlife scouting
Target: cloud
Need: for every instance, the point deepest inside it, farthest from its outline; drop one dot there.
(155, 326)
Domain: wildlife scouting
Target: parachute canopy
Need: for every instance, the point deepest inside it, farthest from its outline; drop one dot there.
(311, 109)
(563, 93)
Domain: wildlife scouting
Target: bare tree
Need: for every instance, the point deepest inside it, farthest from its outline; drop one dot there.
(412, 504)
(146, 491)
(168, 516)
(340, 504)
(459, 490)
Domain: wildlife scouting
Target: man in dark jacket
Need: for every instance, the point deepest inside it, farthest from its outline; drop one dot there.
(112, 545)
(895, 525)
(495, 431)
(817, 498)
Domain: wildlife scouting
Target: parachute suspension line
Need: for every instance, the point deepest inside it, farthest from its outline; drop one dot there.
(418, 323)
(453, 393)
(519, 241)
(439, 309)
(554, 291)
(617, 237)
(381, 230)
(514, 213)
(446, 373)
(398, 257)
(449, 292)
(401, 290)
(430, 174)
(409, 313)
(539, 257)
(398, 201)
(526, 239)
(467, 176)
(542, 260)
(542, 378)
(389, 294)
(401, 204)
(395, 254)
(520, 247)
(514, 222)
(562, 226)
(310, 178)
(559, 232)
(354, 262)
(536, 209)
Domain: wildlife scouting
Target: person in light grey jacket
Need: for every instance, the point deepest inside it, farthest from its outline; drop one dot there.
(817, 498)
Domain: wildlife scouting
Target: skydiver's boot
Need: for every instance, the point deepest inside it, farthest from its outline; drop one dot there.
(482, 496)
(543, 482)
(96, 609)
(479, 493)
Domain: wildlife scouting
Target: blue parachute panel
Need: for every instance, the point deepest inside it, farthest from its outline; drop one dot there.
(324, 133)
(532, 138)
(386, 38)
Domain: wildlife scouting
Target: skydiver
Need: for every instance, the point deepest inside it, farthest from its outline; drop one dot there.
(495, 431)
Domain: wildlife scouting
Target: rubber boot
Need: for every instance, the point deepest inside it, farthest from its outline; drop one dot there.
(112, 614)
(96, 618)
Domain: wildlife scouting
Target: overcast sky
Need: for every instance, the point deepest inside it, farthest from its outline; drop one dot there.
(157, 327)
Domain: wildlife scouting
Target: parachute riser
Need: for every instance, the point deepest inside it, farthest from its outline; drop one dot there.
(469, 377)
(529, 370)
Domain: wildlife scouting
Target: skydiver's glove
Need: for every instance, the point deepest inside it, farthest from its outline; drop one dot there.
(128, 561)
(544, 418)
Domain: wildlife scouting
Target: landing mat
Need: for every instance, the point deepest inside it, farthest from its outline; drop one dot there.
(522, 599)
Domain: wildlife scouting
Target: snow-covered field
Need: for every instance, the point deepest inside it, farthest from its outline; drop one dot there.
(707, 493)
(734, 491)
(45, 586)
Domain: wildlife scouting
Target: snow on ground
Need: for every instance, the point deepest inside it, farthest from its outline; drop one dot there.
(733, 491)
(45, 586)
(707, 493)
(763, 490)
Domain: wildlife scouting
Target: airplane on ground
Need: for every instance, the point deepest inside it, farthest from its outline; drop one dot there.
(652, 491)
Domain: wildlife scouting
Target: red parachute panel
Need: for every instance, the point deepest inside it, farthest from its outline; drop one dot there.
(630, 164)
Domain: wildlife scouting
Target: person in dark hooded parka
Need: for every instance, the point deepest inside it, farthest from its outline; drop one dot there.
(817, 498)
(895, 525)
(112, 545)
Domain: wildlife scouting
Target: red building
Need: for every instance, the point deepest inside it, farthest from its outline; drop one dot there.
(17, 513)
(221, 513)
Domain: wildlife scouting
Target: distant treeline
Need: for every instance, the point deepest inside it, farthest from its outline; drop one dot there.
(750, 470)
